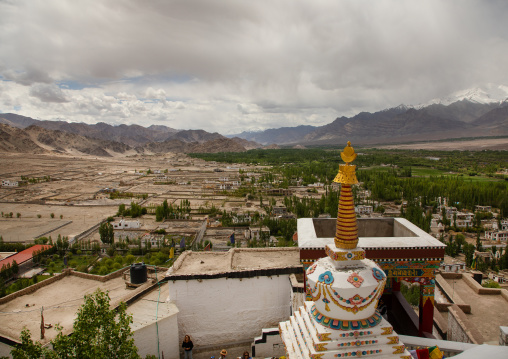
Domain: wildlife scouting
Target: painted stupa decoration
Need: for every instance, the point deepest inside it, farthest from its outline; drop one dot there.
(341, 320)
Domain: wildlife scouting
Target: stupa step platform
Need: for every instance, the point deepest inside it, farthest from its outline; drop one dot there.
(290, 341)
(300, 345)
(305, 347)
(298, 321)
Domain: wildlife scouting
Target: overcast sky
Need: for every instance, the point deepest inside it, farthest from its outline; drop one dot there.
(233, 66)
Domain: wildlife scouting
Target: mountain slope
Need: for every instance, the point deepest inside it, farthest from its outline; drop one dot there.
(34, 139)
(14, 139)
(174, 145)
(277, 135)
(132, 135)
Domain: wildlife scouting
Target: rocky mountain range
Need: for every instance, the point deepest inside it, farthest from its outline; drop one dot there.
(469, 113)
(463, 118)
(26, 135)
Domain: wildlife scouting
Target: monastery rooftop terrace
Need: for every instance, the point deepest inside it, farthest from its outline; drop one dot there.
(373, 233)
(237, 262)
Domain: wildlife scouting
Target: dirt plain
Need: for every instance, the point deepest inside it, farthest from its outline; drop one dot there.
(73, 193)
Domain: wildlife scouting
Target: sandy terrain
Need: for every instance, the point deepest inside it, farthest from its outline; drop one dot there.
(470, 145)
(27, 227)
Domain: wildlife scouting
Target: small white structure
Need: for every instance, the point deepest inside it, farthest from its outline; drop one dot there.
(363, 209)
(127, 224)
(453, 267)
(7, 183)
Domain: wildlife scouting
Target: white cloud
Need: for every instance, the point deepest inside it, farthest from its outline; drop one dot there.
(231, 66)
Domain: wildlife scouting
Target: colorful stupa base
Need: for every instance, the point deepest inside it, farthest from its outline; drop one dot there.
(305, 338)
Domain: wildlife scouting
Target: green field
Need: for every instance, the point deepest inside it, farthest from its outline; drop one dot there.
(427, 172)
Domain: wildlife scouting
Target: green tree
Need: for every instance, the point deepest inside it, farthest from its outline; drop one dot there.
(106, 233)
(98, 332)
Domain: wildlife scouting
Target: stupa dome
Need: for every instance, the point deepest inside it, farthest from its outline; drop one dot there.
(345, 292)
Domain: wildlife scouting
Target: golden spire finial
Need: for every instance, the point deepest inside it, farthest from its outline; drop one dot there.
(347, 173)
(346, 235)
(348, 155)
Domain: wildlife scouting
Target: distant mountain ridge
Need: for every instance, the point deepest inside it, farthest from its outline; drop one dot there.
(478, 112)
(463, 118)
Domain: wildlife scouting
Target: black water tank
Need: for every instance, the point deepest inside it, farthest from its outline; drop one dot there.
(138, 273)
(477, 276)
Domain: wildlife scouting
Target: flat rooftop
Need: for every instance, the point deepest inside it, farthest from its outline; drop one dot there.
(373, 233)
(235, 260)
(61, 300)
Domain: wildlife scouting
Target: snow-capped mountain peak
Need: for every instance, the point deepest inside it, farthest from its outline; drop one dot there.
(489, 93)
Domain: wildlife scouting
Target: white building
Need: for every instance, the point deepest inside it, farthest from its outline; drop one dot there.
(126, 224)
(464, 220)
(7, 183)
(363, 209)
(497, 235)
(254, 232)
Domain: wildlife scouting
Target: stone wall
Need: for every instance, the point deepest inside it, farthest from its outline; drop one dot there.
(460, 329)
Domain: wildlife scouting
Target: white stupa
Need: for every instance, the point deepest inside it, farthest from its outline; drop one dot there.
(342, 321)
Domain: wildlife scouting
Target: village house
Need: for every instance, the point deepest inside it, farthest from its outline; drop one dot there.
(279, 211)
(255, 232)
(126, 224)
(363, 209)
(162, 178)
(154, 240)
(464, 220)
(498, 277)
(497, 235)
(7, 183)
(484, 208)
(316, 185)
(362, 195)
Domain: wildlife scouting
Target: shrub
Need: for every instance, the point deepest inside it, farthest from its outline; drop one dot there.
(490, 284)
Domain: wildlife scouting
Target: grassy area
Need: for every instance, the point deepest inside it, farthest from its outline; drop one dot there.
(427, 172)
(109, 265)
(55, 263)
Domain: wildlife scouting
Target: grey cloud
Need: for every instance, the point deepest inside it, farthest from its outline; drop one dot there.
(285, 58)
(48, 93)
(28, 77)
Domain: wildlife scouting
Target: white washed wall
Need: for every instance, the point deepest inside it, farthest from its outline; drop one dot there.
(146, 338)
(221, 311)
